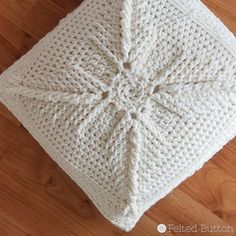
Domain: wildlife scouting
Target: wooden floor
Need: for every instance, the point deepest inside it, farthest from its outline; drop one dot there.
(37, 198)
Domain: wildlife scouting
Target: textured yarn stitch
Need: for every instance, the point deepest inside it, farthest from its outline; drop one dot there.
(129, 97)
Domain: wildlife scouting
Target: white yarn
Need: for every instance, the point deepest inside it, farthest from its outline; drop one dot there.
(129, 98)
(133, 166)
(126, 16)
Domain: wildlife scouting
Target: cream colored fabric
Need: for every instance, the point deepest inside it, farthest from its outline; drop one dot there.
(129, 98)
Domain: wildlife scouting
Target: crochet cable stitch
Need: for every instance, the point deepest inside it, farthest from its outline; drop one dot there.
(129, 98)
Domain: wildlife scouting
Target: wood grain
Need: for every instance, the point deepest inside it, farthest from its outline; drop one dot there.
(37, 198)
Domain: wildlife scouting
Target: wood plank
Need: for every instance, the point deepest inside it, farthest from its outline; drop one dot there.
(16, 11)
(225, 159)
(225, 10)
(17, 38)
(215, 190)
(178, 208)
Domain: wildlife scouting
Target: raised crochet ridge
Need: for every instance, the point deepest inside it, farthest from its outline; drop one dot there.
(129, 98)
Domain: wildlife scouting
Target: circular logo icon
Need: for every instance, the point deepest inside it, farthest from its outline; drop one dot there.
(161, 228)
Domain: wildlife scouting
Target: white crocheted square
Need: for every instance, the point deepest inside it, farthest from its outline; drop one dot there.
(129, 98)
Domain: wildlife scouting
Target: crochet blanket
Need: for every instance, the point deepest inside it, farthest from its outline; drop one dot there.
(129, 98)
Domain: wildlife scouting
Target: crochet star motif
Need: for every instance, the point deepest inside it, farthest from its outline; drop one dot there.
(130, 91)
